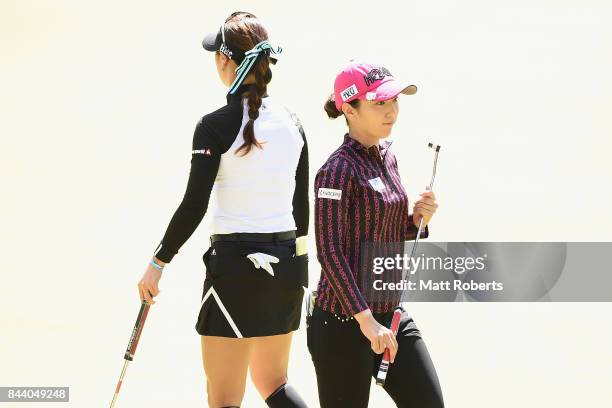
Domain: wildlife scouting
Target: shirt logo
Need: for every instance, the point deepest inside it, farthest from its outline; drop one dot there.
(203, 151)
(348, 92)
(330, 193)
(377, 184)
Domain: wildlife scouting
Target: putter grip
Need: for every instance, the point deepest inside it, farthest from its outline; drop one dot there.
(394, 326)
(140, 320)
(384, 363)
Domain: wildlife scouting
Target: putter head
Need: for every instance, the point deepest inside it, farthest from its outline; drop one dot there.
(434, 146)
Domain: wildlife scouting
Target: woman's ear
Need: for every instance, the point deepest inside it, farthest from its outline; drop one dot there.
(223, 60)
(348, 110)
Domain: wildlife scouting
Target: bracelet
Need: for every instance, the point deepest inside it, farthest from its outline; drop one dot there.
(156, 265)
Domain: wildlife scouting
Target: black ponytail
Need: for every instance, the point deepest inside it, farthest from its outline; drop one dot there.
(332, 111)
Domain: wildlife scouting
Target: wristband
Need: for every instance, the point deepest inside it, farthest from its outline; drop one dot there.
(156, 265)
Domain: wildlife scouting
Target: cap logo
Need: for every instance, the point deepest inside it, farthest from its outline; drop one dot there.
(370, 96)
(348, 92)
(375, 75)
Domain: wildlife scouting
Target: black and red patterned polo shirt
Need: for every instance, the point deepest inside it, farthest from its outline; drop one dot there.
(359, 199)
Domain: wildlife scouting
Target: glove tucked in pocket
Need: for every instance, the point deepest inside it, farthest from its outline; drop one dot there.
(261, 260)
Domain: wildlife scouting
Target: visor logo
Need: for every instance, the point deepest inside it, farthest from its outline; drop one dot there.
(225, 50)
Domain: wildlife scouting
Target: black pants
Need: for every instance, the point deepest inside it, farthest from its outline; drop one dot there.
(345, 364)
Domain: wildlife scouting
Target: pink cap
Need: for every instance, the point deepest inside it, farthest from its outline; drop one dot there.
(366, 81)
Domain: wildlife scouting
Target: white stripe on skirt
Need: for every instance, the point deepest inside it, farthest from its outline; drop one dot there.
(223, 310)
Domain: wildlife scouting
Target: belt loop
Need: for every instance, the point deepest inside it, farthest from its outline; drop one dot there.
(275, 237)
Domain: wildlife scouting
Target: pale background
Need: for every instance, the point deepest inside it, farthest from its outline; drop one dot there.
(99, 101)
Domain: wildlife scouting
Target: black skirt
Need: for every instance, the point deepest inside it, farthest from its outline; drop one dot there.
(240, 300)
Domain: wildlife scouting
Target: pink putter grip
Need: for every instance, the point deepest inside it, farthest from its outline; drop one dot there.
(394, 326)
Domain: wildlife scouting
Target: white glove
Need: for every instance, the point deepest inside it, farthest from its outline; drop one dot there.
(261, 260)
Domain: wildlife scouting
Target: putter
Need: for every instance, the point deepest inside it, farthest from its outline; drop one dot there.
(131, 348)
(384, 363)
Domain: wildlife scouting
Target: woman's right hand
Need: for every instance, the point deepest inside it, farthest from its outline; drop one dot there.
(380, 336)
(148, 286)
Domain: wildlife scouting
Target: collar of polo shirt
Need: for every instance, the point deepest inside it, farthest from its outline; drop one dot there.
(381, 148)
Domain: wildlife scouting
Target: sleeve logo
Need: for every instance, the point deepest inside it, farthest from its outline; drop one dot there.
(330, 193)
(202, 151)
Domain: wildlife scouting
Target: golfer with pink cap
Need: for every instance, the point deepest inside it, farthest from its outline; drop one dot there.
(360, 201)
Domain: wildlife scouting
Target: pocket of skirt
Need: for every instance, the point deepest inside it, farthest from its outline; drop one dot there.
(292, 271)
(206, 256)
(228, 266)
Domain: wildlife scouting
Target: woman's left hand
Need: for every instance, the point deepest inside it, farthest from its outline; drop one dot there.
(424, 207)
